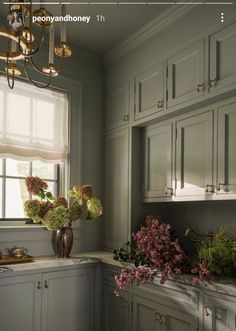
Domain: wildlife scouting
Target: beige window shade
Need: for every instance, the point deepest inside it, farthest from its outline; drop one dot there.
(33, 123)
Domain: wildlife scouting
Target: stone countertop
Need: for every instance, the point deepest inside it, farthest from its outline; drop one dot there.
(223, 285)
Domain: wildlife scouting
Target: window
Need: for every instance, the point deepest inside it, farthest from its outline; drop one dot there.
(33, 141)
(12, 184)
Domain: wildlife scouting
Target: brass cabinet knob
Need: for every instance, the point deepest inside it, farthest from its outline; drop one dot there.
(200, 88)
(207, 310)
(163, 319)
(212, 83)
(210, 188)
(160, 103)
(157, 317)
(126, 118)
(46, 284)
(169, 191)
(39, 286)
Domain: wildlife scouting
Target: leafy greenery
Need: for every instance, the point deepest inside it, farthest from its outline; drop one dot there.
(127, 253)
(218, 252)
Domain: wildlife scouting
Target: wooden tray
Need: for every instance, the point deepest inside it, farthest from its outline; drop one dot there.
(12, 260)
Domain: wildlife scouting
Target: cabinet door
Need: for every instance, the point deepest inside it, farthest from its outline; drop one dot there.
(117, 188)
(219, 314)
(149, 92)
(116, 310)
(186, 74)
(20, 303)
(222, 57)
(226, 179)
(158, 162)
(194, 155)
(68, 300)
(117, 107)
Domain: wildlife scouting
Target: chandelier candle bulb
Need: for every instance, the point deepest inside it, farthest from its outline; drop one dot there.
(63, 24)
(51, 43)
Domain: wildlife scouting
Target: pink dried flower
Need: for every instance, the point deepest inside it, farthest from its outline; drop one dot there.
(202, 272)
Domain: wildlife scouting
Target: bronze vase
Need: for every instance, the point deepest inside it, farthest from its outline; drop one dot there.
(64, 241)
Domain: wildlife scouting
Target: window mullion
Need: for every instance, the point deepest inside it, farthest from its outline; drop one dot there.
(3, 188)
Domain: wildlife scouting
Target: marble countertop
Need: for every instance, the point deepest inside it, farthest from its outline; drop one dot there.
(223, 285)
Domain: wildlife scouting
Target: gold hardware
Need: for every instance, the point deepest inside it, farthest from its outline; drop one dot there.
(212, 83)
(200, 88)
(169, 191)
(126, 118)
(160, 103)
(46, 284)
(157, 317)
(225, 187)
(163, 319)
(207, 310)
(210, 188)
(39, 285)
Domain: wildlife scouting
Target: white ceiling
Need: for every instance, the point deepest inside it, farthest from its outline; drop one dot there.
(121, 21)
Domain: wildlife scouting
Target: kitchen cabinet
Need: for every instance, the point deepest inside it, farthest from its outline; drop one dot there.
(116, 310)
(222, 58)
(117, 188)
(226, 156)
(117, 107)
(149, 91)
(186, 74)
(158, 162)
(151, 315)
(20, 303)
(194, 155)
(219, 313)
(48, 301)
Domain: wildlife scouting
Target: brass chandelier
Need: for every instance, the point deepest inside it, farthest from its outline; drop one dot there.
(22, 44)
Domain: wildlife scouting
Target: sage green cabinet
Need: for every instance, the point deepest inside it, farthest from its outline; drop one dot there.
(116, 310)
(48, 301)
(186, 74)
(117, 107)
(226, 156)
(153, 316)
(20, 303)
(117, 188)
(158, 162)
(194, 155)
(222, 58)
(219, 313)
(149, 91)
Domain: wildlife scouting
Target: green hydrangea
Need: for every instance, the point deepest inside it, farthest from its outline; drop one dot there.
(56, 218)
(94, 208)
(32, 209)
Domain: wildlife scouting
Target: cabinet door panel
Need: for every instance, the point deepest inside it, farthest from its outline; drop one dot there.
(177, 320)
(68, 301)
(158, 157)
(226, 149)
(117, 184)
(219, 314)
(194, 154)
(222, 56)
(20, 303)
(149, 88)
(117, 107)
(186, 70)
(116, 311)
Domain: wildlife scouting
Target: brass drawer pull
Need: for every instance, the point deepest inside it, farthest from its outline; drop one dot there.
(39, 286)
(46, 284)
(210, 188)
(200, 88)
(207, 310)
(212, 83)
(169, 191)
(126, 118)
(223, 186)
(160, 103)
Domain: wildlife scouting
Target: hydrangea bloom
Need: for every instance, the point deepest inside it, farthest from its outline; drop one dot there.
(56, 218)
(35, 185)
(94, 208)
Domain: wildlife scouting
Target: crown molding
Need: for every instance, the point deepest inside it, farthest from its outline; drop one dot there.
(162, 21)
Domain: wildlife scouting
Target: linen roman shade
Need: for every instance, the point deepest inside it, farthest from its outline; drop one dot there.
(33, 123)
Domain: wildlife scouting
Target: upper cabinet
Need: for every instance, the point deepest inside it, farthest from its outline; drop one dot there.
(186, 74)
(158, 162)
(222, 58)
(194, 155)
(117, 107)
(149, 92)
(226, 156)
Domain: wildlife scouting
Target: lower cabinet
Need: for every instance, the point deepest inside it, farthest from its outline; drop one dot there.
(49, 301)
(219, 313)
(153, 316)
(116, 310)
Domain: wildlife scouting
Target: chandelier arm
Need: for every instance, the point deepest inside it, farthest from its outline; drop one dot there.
(36, 67)
(28, 55)
(33, 82)
(10, 83)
